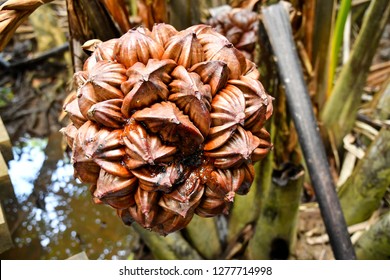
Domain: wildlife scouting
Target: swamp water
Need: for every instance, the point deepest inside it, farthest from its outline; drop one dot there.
(51, 215)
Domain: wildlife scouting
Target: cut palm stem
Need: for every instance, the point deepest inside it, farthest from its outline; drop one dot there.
(278, 27)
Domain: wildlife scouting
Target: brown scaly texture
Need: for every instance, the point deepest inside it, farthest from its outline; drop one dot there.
(239, 25)
(167, 124)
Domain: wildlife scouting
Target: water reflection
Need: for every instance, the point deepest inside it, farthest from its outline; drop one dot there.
(28, 159)
(53, 216)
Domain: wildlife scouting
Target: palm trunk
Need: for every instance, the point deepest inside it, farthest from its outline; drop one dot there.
(170, 247)
(87, 20)
(362, 193)
(375, 243)
(208, 245)
(275, 233)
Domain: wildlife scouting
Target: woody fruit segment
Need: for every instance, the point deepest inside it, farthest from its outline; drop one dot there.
(167, 124)
(239, 25)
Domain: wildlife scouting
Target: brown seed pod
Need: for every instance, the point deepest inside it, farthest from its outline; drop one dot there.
(228, 112)
(84, 166)
(184, 199)
(214, 73)
(251, 70)
(172, 125)
(221, 49)
(169, 221)
(86, 97)
(168, 124)
(107, 113)
(100, 51)
(146, 84)
(115, 191)
(74, 113)
(240, 26)
(146, 208)
(162, 32)
(185, 49)
(136, 46)
(256, 100)
(143, 149)
(213, 203)
(192, 97)
(161, 178)
(242, 147)
(106, 77)
(229, 181)
(70, 133)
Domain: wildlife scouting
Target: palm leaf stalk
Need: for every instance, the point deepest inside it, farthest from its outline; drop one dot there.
(339, 113)
(337, 39)
(322, 33)
(278, 27)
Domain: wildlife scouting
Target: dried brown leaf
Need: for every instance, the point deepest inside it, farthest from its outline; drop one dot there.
(118, 11)
(152, 12)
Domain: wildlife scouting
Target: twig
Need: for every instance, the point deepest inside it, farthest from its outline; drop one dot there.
(373, 123)
(4, 63)
(324, 238)
(35, 60)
